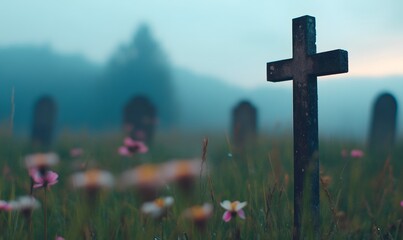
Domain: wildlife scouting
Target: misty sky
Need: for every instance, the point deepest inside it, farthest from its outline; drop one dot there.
(228, 39)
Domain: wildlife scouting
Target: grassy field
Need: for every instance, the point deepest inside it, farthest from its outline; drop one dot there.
(360, 197)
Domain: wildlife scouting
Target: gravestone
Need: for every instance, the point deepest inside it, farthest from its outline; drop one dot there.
(43, 124)
(140, 119)
(304, 68)
(244, 118)
(383, 125)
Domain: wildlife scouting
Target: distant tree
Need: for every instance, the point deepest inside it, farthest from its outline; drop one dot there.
(139, 68)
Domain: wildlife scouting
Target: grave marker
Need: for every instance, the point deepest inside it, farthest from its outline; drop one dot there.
(383, 125)
(304, 68)
(44, 117)
(140, 119)
(244, 118)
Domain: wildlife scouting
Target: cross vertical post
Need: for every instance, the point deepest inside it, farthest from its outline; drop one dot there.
(304, 68)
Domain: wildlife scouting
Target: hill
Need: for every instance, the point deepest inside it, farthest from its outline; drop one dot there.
(203, 102)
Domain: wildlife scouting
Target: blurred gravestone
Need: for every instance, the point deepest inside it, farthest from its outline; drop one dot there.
(244, 118)
(140, 119)
(43, 124)
(383, 125)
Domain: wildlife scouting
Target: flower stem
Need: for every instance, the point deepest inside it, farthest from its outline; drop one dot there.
(29, 220)
(162, 229)
(44, 217)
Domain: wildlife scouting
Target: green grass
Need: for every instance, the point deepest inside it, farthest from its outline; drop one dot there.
(362, 200)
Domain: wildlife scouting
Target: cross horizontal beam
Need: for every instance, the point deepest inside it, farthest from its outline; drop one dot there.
(321, 64)
(331, 62)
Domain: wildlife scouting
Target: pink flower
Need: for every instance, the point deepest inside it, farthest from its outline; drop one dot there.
(131, 147)
(233, 209)
(356, 153)
(48, 179)
(401, 203)
(4, 206)
(59, 238)
(76, 152)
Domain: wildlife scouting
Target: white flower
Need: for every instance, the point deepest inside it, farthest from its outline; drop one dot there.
(157, 207)
(199, 214)
(179, 170)
(93, 178)
(25, 203)
(233, 209)
(41, 160)
(144, 176)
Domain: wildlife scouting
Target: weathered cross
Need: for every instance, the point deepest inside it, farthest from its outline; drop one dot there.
(304, 68)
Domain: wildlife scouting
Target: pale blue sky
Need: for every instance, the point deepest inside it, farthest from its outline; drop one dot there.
(228, 39)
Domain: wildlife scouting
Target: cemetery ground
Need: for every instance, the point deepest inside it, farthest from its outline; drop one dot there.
(360, 196)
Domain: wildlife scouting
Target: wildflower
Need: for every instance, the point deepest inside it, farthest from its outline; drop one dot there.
(4, 206)
(147, 178)
(76, 152)
(131, 147)
(158, 207)
(199, 214)
(183, 172)
(401, 203)
(92, 179)
(41, 161)
(233, 209)
(356, 153)
(342, 220)
(47, 179)
(25, 205)
(326, 180)
(59, 238)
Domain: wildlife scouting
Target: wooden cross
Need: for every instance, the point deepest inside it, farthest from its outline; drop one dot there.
(304, 68)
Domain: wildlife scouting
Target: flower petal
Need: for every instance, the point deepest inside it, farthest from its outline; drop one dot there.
(38, 185)
(148, 207)
(124, 151)
(51, 176)
(52, 183)
(226, 205)
(142, 148)
(169, 201)
(129, 142)
(35, 175)
(356, 153)
(239, 206)
(227, 216)
(241, 214)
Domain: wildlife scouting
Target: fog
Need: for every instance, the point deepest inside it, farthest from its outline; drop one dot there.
(91, 96)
